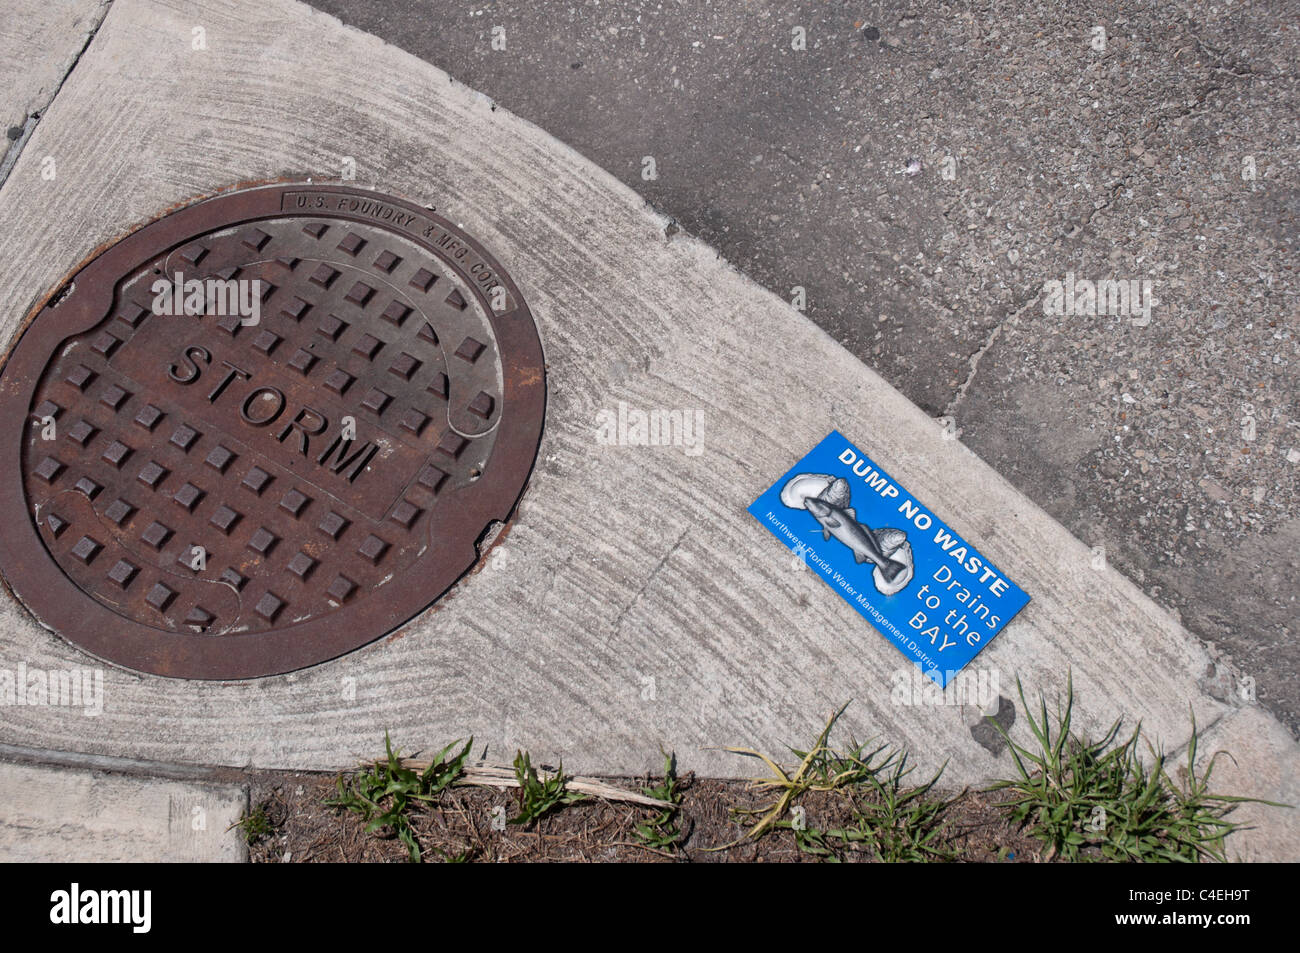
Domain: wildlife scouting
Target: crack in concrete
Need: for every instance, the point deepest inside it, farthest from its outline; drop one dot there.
(650, 577)
(34, 118)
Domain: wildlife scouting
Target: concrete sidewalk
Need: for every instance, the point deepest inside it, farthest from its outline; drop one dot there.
(637, 605)
(39, 46)
(68, 814)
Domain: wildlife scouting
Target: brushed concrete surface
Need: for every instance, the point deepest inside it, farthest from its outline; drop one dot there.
(633, 604)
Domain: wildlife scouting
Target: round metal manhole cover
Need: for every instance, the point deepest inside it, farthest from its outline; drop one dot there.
(264, 430)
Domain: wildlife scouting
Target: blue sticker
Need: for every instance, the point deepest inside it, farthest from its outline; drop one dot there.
(927, 590)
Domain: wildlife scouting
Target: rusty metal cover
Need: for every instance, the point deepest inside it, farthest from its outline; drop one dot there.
(264, 430)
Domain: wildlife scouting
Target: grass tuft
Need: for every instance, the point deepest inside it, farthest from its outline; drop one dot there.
(888, 818)
(661, 831)
(1096, 799)
(384, 792)
(895, 821)
(539, 796)
(254, 825)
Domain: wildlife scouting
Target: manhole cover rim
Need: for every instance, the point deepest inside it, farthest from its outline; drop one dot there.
(58, 603)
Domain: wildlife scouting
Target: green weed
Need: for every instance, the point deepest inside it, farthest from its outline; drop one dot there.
(539, 796)
(383, 793)
(1097, 800)
(661, 831)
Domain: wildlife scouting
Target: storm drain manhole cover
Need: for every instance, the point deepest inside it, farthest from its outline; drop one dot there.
(264, 430)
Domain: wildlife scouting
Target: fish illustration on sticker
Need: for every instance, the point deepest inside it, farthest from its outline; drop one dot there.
(828, 500)
(928, 591)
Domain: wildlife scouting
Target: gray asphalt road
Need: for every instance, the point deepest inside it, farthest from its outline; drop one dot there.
(924, 172)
